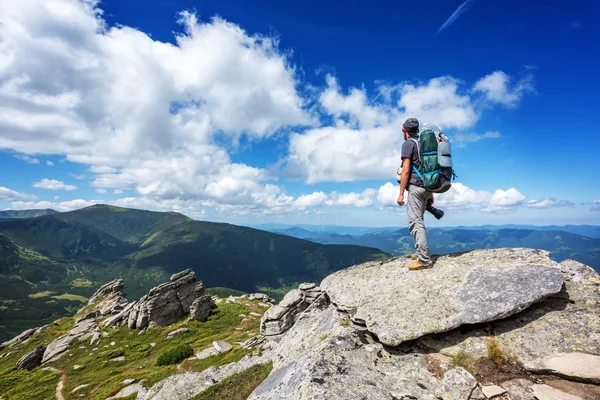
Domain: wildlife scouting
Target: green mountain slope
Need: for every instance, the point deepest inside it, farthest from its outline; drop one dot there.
(26, 213)
(48, 263)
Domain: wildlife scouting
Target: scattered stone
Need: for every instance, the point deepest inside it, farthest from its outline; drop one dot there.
(584, 366)
(142, 332)
(121, 358)
(261, 304)
(21, 338)
(178, 332)
(545, 392)
(475, 287)
(492, 391)
(231, 300)
(259, 296)
(95, 338)
(255, 314)
(457, 384)
(78, 388)
(200, 308)
(128, 381)
(307, 286)
(112, 343)
(32, 359)
(252, 342)
(221, 346)
(211, 351)
(242, 316)
(129, 390)
(152, 344)
(105, 334)
(77, 366)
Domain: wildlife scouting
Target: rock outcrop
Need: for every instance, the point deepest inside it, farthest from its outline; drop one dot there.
(281, 317)
(110, 298)
(32, 359)
(379, 331)
(57, 348)
(165, 304)
(473, 288)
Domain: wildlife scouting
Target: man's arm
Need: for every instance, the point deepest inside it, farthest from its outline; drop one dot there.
(403, 179)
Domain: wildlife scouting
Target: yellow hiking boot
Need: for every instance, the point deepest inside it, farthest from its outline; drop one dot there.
(414, 256)
(415, 266)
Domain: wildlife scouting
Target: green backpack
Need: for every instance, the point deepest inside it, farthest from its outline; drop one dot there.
(436, 160)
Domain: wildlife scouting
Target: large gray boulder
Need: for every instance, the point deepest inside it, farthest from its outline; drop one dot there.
(32, 359)
(558, 335)
(399, 305)
(200, 308)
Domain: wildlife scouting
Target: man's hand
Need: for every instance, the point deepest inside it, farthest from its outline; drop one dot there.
(400, 200)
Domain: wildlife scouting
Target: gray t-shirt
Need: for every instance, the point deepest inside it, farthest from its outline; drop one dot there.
(410, 150)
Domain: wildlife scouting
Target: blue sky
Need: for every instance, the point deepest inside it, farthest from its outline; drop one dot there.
(291, 111)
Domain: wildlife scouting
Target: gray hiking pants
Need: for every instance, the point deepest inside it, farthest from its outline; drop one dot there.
(416, 204)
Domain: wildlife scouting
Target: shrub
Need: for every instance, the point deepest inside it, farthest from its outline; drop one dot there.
(113, 353)
(175, 355)
(495, 353)
(464, 360)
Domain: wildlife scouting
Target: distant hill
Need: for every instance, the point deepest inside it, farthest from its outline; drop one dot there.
(48, 263)
(591, 231)
(26, 213)
(562, 245)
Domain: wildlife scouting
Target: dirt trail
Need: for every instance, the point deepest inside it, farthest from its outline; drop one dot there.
(61, 382)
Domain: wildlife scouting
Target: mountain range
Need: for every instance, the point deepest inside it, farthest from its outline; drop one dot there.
(561, 244)
(51, 263)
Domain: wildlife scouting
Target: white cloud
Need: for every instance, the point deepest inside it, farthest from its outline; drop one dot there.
(67, 85)
(462, 138)
(310, 200)
(462, 198)
(49, 163)
(365, 140)
(101, 191)
(8, 194)
(353, 199)
(504, 200)
(62, 206)
(117, 191)
(53, 184)
(496, 88)
(27, 159)
(595, 205)
(549, 202)
(388, 194)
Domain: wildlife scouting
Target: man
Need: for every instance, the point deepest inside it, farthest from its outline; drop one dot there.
(417, 195)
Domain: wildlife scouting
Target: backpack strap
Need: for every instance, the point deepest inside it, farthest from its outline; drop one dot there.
(415, 169)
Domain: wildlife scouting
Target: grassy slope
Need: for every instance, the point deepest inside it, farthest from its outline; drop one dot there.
(72, 254)
(105, 377)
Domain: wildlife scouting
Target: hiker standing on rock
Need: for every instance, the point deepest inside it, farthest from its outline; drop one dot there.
(417, 195)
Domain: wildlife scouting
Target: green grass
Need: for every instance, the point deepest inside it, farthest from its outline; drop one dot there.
(238, 386)
(105, 378)
(71, 297)
(464, 360)
(81, 282)
(26, 385)
(40, 294)
(174, 355)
